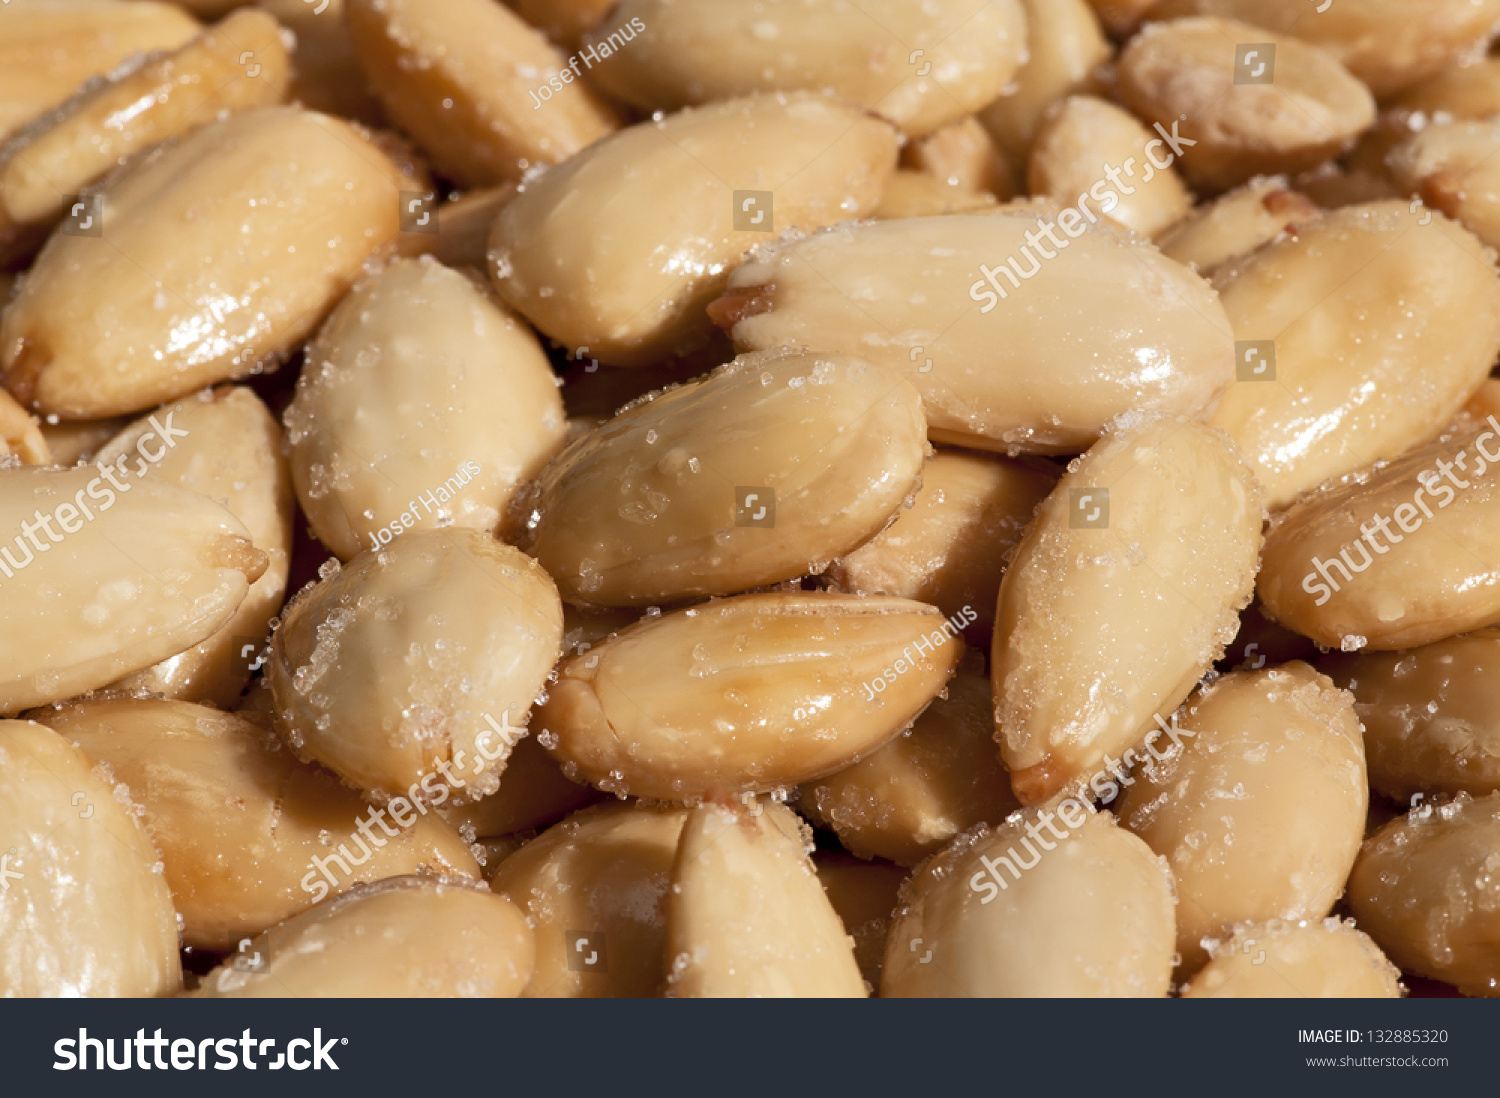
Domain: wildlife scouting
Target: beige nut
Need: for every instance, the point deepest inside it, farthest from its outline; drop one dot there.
(237, 64)
(72, 442)
(226, 446)
(615, 253)
(1425, 889)
(421, 658)
(1122, 16)
(1123, 592)
(402, 937)
(920, 65)
(950, 549)
(21, 435)
(104, 573)
(1332, 186)
(1396, 556)
(1388, 44)
(50, 47)
(424, 403)
(747, 916)
(1300, 960)
(1064, 47)
(462, 231)
(533, 793)
(1235, 224)
(288, 204)
(595, 886)
(763, 472)
(478, 90)
(1470, 89)
(1089, 915)
(746, 694)
(1359, 337)
(1106, 326)
(1430, 714)
(917, 792)
(85, 910)
(564, 22)
(1258, 804)
(1197, 73)
(248, 836)
(1450, 166)
(864, 894)
(917, 194)
(327, 77)
(1079, 138)
(962, 154)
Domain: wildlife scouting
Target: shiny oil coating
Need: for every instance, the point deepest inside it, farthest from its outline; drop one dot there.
(238, 820)
(1384, 320)
(1429, 567)
(1260, 813)
(291, 203)
(1091, 917)
(665, 54)
(619, 249)
(458, 629)
(1106, 326)
(764, 471)
(402, 937)
(1296, 960)
(85, 912)
(745, 694)
(421, 396)
(1100, 628)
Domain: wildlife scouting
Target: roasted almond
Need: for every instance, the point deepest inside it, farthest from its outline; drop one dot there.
(1450, 166)
(1296, 960)
(1237, 223)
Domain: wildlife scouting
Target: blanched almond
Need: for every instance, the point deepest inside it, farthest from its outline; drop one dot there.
(248, 836)
(762, 472)
(1370, 562)
(917, 194)
(1090, 916)
(1106, 326)
(72, 442)
(131, 573)
(746, 694)
(1258, 805)
(85, 910)
(424, 403)
(239, 63)
(403, 937)
(1235, 224)
(1122, 594)
(327, 76)
(20, 434)
(463, 228)
(533, 793)
(1300, 960)
(595, 888)
(962, 154)
(563, 21)
(615, 253)
(288, 204)
(231, 454)
(747, 917)
(1470, 89)
(1359, 337)
(864, 895)
(920, 65)
(1450, 166)
(424, 654)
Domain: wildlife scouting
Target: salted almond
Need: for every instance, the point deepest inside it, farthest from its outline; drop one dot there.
(747, 916)
(1237, 223)
(1010, 349)
(327, 76)
(616, 253)
(864, 894)
(1470, 89)
(1088, 916)
(951, 547)
(1122, 17)
(962, 154)
(764, 471)
(921, 66)
(1123, 592)
(1358, 338)
(290, 204)
(917, 194)
(424, 404)
(462, 236)
(248, 836)
(564, 22)
(237, 64)
(1449, 166)
(1396, 556)
(938, 779)
(533, 793)
(746, 694)
(104, 573)
(226, 446)
(20, 434)
(1332, 186)
(86, 911)
(595, 888)
(400, 938)
(50, 47)
(73, 442)
(1425, 889)
(417, 660)
(483, 94)
(1258, 804)
(1296, 960)
(1241, 116)
(1080, 133)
